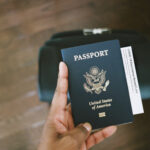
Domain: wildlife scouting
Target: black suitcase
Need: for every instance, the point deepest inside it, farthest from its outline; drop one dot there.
(50, 56)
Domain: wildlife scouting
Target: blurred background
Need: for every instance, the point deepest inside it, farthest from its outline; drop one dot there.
(24, 26)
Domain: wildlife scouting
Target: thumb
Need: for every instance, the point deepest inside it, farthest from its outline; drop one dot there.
(81, 132)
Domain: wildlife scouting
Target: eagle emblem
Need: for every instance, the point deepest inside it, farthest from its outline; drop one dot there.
(95, 80)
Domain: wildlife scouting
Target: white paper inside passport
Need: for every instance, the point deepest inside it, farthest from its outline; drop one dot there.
(132, 80)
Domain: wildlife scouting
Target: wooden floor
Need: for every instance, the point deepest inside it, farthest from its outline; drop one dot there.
(24, 26)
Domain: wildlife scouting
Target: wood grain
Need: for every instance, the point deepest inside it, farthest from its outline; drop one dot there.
(24, 26)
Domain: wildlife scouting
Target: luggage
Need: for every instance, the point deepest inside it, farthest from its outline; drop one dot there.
(50, 56)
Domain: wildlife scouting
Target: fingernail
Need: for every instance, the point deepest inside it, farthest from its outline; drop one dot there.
(87, 126)
(60, 67)
(111, 130)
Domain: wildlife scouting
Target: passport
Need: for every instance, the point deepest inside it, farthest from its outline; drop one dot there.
(97, 84)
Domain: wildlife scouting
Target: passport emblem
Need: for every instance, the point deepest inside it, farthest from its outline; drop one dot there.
(95, 80)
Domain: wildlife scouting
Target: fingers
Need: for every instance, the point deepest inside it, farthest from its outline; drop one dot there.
(70, 119)
(83, 147)
(60, 97)
(99, 136)
(80, 133)
(69, 108)
(59, 101)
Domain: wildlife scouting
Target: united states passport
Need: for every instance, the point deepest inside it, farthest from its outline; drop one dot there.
(97, 84)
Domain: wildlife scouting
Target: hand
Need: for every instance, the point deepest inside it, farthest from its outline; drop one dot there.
(59, 131)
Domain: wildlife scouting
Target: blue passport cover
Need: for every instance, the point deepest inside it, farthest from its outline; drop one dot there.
(97, 84)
